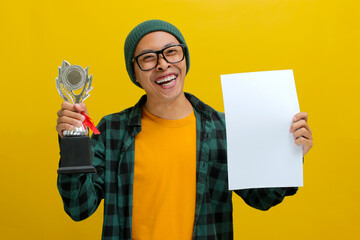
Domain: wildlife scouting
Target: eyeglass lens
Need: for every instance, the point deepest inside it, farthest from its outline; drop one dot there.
(172, 54)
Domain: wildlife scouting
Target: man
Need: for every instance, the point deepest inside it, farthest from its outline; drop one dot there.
(161, 165)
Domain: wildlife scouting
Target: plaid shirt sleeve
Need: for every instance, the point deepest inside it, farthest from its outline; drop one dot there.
(82, 193)
(265, 198)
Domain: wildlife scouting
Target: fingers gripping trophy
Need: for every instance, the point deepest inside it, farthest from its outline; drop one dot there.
(76, 154)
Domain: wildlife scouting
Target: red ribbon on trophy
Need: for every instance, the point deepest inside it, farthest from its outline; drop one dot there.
(89, 123)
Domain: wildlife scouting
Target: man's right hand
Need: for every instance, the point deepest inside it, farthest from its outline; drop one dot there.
(69, 116)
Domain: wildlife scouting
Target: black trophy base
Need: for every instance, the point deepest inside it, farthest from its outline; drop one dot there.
(76, 169)
(76, 155)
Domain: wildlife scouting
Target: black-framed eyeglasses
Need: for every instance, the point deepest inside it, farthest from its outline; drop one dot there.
(149, 60)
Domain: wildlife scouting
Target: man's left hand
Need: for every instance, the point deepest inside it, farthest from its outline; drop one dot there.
(302, 132)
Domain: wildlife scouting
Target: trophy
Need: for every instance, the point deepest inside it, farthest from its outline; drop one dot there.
(76, 154)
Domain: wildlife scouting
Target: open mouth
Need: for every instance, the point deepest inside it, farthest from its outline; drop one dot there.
(166, 81)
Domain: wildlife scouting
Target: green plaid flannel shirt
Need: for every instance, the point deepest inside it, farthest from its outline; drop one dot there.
(113, 156)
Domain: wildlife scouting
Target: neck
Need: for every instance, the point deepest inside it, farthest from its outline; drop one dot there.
(171, 109)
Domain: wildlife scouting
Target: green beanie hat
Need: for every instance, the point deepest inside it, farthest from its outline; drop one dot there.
(139, 32)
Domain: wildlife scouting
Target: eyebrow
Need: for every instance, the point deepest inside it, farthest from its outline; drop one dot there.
(152, 50)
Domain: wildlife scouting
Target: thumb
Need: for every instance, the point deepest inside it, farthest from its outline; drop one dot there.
(81, 107)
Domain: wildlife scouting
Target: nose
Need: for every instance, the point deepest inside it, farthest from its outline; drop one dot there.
(162, 63)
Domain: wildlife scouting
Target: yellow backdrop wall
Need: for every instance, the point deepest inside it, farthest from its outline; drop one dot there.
(318, 39)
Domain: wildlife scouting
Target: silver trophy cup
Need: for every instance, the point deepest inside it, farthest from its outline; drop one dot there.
(72, 78)
(74, 85)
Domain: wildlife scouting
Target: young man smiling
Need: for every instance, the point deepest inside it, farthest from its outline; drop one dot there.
(161, 165)
(164, 83)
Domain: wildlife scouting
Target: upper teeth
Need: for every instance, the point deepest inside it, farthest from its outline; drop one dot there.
(168, 78)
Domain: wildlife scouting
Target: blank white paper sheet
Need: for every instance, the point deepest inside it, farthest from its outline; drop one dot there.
(259, 107)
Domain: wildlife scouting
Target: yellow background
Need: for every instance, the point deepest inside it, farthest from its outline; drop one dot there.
(318, 39)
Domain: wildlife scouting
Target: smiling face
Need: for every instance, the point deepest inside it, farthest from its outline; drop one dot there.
(165, 82)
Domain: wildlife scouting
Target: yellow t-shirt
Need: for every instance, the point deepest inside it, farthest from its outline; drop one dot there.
(164, 178)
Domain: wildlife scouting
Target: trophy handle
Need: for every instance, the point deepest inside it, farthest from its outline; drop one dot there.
(83, 95)
(62, 90)
(88, 89)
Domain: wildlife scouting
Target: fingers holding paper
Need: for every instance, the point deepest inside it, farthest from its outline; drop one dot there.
(301, 131)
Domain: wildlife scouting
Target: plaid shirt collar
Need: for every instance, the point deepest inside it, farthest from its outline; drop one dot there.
(135, 115)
